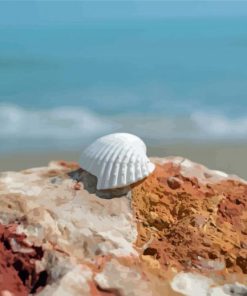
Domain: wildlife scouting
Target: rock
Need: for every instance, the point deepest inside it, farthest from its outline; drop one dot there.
(173, 182)
(181, 231)
(18, 274)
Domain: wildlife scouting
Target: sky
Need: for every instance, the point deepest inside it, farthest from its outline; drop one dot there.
(17, 13)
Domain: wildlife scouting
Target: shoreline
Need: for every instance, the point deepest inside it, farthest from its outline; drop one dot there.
(227, 157)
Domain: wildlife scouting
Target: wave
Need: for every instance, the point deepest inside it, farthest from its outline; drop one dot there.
(69, 127)
(219, 125)
(58, 123)
(195, 126)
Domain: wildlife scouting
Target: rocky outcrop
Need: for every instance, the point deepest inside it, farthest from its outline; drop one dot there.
(181, 231)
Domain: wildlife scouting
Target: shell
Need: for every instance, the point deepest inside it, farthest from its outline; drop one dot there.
(117, 160)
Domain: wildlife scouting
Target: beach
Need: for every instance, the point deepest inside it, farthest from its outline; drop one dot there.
(180, 86)
(161, 215)
(228, 157)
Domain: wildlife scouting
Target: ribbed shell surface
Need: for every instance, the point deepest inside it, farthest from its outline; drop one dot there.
(117, 160)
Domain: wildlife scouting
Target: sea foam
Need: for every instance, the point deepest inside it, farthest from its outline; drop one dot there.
(70, 127)
(59, 123)
(219, 125)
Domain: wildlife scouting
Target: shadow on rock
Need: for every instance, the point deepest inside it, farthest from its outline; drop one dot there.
(90, 184)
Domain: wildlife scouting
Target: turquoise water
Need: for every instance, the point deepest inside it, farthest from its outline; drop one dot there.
(161, 79)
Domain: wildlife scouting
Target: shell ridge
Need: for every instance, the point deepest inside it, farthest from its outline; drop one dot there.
(93, 164)
(105, 152)
(122, 178)
(117, 165)
(112, 170)
(113, 148)
(138, 172)
(131, 169)
(107, 169)
(103, 165)
(144, 168)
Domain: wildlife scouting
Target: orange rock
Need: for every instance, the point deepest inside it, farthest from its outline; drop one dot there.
(182, 223)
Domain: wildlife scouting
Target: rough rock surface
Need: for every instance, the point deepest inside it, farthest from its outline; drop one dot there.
(18, 273)
(181, 231)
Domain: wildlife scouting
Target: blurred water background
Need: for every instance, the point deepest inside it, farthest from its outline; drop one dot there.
(70, 72)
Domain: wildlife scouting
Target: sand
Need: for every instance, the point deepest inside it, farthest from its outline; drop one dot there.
(228, 157)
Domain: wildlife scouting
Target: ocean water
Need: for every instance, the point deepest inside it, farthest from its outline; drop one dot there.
(164, 80)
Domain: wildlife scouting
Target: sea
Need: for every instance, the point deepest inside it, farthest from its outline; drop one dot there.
(165, 80)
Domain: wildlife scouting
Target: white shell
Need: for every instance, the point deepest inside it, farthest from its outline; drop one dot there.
(117, 160)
